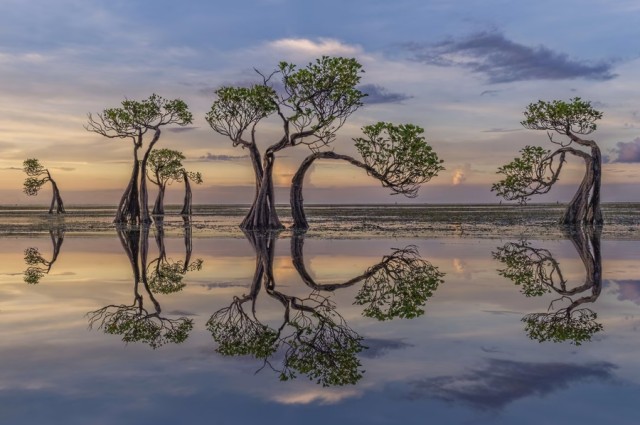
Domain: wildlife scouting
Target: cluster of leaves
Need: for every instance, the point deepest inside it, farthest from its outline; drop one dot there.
(399, 155)
(135, 117)
(37, 176)
(135, 324)
(530, 174)
(575, 326)
(400, 286)
(165, 166)
(34, 271)
(238, 108)
(575, 116)
(534, 270)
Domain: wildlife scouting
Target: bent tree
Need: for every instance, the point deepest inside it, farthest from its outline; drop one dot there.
(38, 176)
(538, 169)
(133, 121)
(311, 104)
(187, 177)
(397, 155)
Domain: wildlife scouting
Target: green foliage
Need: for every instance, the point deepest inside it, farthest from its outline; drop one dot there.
(237, 108)
(164, 166)
(399, 287)
(134, 324)
(167, 278)
(574, 326)
(35, 180)
(400, 155)
(575, 116)
(34, 261)
(534, 270)
(237, 334)
(525, 176)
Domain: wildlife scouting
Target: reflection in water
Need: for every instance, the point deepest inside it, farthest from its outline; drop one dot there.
(37, 266)
(398, 286)
(135, 322)
(312, 336)
(537, 272)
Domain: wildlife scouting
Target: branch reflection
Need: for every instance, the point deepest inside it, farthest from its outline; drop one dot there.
(138, 322)
(312, 338)
(537, 273)
(37, 265)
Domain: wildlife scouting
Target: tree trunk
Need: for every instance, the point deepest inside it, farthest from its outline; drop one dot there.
(584, 208)
(262, 215)
(145, 217)
(56, 199)
(188, 244)
(158, 207)
(295, 197)
(186, 206)
(129, 207)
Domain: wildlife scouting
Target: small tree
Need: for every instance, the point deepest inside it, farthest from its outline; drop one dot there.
(313, 104)
(38, 176)
(163, 168)
(538, 169)
(397, 155)
(133, 121)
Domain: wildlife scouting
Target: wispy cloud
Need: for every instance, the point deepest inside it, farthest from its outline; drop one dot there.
(502, 382)
(211, 157)
(378, 94)
(502, 60)
(181, 129)
(377, 347)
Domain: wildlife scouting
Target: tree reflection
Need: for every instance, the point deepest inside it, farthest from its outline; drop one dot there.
(537, 272)
(37, 265)
(139, 322)
(312, 338)
(396, 287)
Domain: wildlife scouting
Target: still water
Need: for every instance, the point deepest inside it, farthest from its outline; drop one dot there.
(136, 328)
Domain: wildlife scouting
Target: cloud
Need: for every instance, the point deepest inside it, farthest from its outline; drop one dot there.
(322, 397)
(490, 92)
(64, 168)
(12, 168)
(627, 151)
(628, 290)
(501, 60)
(460, 174)
(379, 347)
(181, 129)
(378, 94)
(298, 47)
(211, 157)
(502, 382)
(501, 130)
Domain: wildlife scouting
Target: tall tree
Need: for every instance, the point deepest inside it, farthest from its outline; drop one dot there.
(311, 103)
(163, 168)
(38, 176)
(538, 169)
(133, 121)
(397, 155)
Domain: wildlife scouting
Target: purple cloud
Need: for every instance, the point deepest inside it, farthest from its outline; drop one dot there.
(628, 152)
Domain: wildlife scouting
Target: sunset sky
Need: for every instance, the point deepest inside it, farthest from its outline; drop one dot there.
(463, 70)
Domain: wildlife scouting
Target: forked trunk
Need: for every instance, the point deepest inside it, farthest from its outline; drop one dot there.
(262, 215)
(145, 217)
(56, 199)
(129, 207)
(584, 208)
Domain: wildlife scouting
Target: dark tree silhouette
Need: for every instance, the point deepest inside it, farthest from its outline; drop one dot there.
(312, 103)
(136, 322)
(133, 121)
(537, 272)
(37, 265)
(396, 155)
(163, 168)
(38, 176)
(538, 169)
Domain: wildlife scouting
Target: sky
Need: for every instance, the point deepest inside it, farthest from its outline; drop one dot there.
(463, 70)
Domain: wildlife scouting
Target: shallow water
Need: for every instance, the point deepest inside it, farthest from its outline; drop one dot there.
(434, 332)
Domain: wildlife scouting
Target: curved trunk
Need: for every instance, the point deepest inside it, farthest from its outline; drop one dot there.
(584, 208)
(295, 197)
(188, 244)
(158, 206)
(186, 206)
(129, 207)
(262, 214)
(145, 217)
(56, 199)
